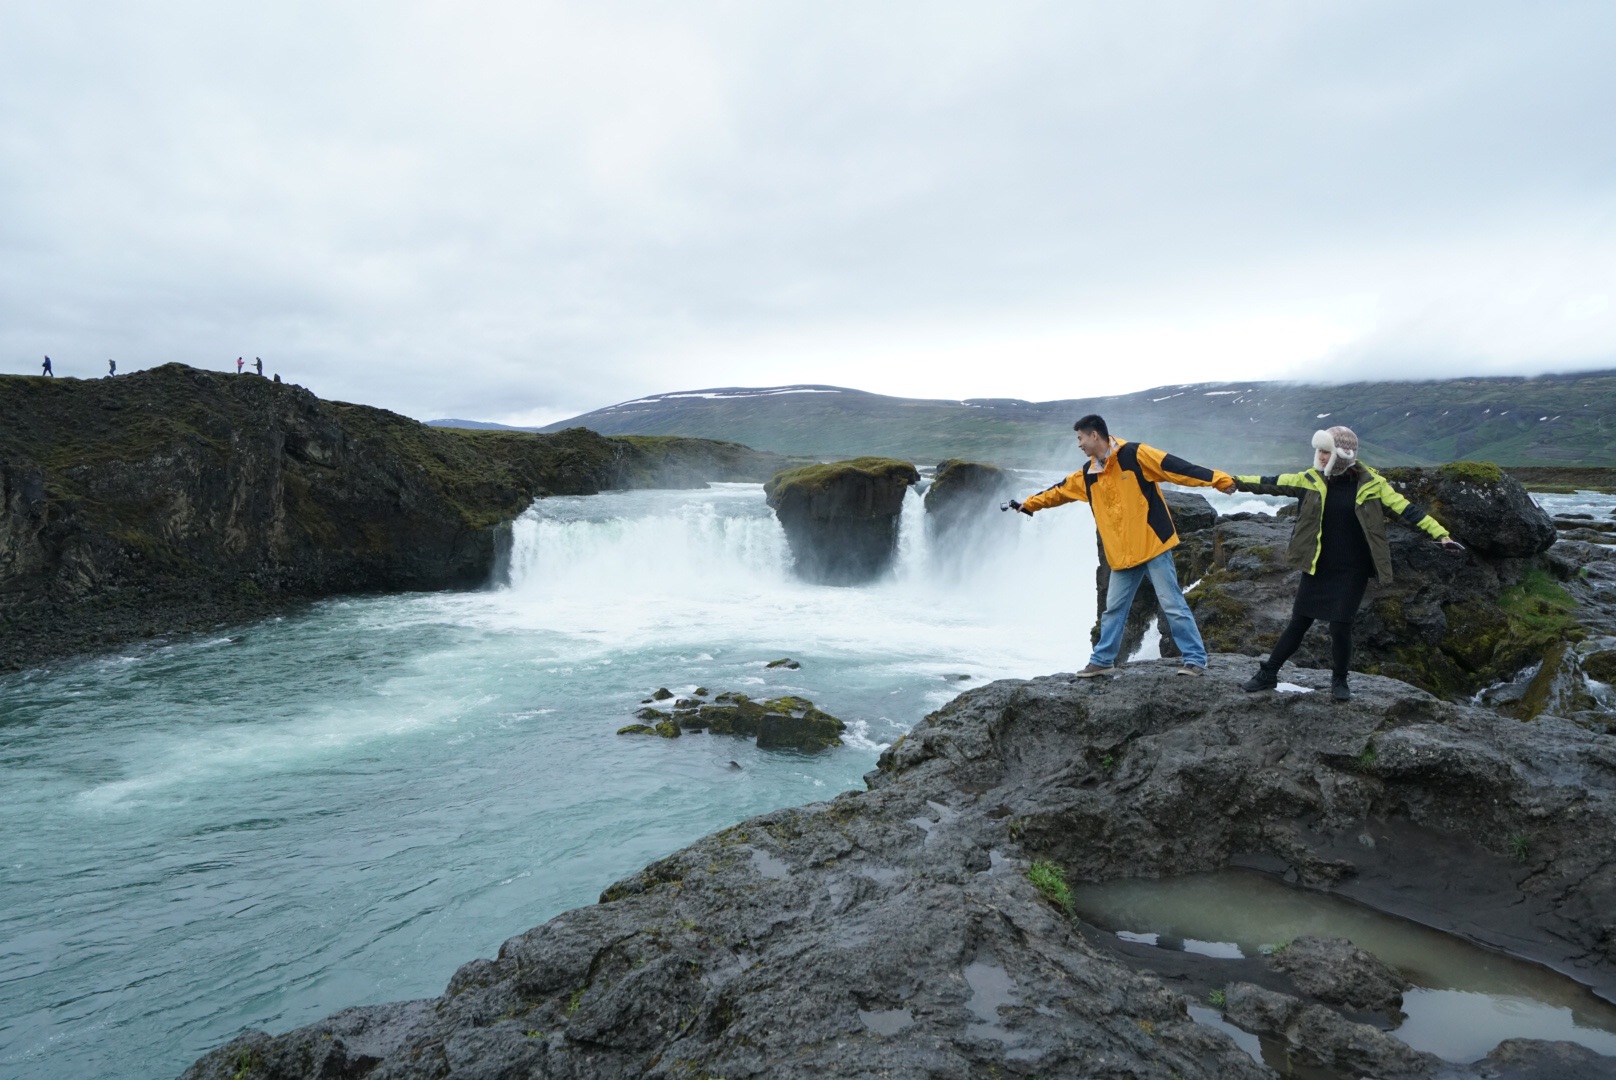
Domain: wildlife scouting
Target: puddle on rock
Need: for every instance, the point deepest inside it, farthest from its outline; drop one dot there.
(991, 988)
(886, 1021)
(770, 866)
(1465, 1001)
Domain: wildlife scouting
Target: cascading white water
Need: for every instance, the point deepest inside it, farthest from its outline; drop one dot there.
(1007, 594)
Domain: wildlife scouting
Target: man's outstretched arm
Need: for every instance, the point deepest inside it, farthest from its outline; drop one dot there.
(1161, 466)
(1071, 489)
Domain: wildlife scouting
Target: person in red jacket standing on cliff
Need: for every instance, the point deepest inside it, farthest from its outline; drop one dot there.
(1120, 482)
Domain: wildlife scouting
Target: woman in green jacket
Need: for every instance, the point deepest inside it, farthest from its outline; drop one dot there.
(1338, 541)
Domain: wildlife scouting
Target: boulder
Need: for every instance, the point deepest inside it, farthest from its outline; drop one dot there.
(1324, 1036)
(962, 493)
(784, 945)
(841, 518)
(799, 728)
(1337, 971)
(1485, 508)
(780, 723)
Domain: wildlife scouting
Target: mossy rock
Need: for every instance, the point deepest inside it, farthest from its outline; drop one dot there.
(841, 519)
(823, 478)
(664, 725)
(784, 662)
(1484, 507)
(1601, 666)
(778, 723)
(662, 694)
(963, 489)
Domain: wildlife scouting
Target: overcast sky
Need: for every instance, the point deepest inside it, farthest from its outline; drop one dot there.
(520, 211)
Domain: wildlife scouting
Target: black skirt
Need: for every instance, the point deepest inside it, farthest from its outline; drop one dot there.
(1331, 595)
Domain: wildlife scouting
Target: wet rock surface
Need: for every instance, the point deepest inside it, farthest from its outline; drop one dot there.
(1325, 1037)
(1337, 971)
(784, 723)
(894, 932)
(841, 519)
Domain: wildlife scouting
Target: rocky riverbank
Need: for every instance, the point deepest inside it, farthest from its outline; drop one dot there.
(895, 932)
(175, 499)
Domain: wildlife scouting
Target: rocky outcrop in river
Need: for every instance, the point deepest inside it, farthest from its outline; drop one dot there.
(895, 932)
(175, 499)
(841, 518)
(964, 492)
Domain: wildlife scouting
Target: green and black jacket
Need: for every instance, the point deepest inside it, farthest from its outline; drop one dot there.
(1376, 499)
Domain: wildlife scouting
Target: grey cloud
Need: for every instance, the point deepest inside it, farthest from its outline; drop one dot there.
(484, 210)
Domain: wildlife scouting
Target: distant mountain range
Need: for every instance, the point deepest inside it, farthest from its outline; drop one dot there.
(1547, 420)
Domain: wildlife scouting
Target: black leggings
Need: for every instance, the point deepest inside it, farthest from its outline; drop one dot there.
(1291, 638)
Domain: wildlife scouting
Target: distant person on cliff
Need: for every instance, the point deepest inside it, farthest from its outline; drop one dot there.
(47, 369)
(258, 362)
(1339, 540)
(240, 363)
(1121, 483)
(112, 367)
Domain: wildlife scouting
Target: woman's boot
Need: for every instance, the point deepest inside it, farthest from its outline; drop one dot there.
(1266, 678)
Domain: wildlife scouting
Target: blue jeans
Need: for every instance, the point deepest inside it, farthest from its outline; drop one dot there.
(1119, 598)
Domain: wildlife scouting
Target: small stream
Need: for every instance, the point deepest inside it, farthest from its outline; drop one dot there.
(1465, 999)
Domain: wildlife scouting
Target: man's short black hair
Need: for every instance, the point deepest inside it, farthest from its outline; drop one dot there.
(1093, 423)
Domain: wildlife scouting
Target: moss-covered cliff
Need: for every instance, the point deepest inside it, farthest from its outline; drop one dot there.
(174, 498)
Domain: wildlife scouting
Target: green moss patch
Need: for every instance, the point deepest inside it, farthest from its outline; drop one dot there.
(1479, 472)
(816, 478)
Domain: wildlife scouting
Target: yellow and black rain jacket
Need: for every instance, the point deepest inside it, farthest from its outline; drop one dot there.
(1376, 498)
(1124, 493)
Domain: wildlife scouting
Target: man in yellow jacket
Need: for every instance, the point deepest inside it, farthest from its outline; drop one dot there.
(1121, 483)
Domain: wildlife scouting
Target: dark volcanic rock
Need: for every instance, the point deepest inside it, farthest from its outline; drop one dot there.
(1485, 508)
(174, 499)
(894, 932)
(1324, 1036)
(1337, 971)
(780, 723)
(841, 519)
(963, 492)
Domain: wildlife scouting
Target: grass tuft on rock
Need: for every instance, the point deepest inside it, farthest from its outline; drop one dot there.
(1048, 879)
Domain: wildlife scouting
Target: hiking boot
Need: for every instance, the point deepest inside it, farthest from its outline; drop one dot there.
(1191, 669)
(1094, 670)
(1339, 688)
(1265, 679)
